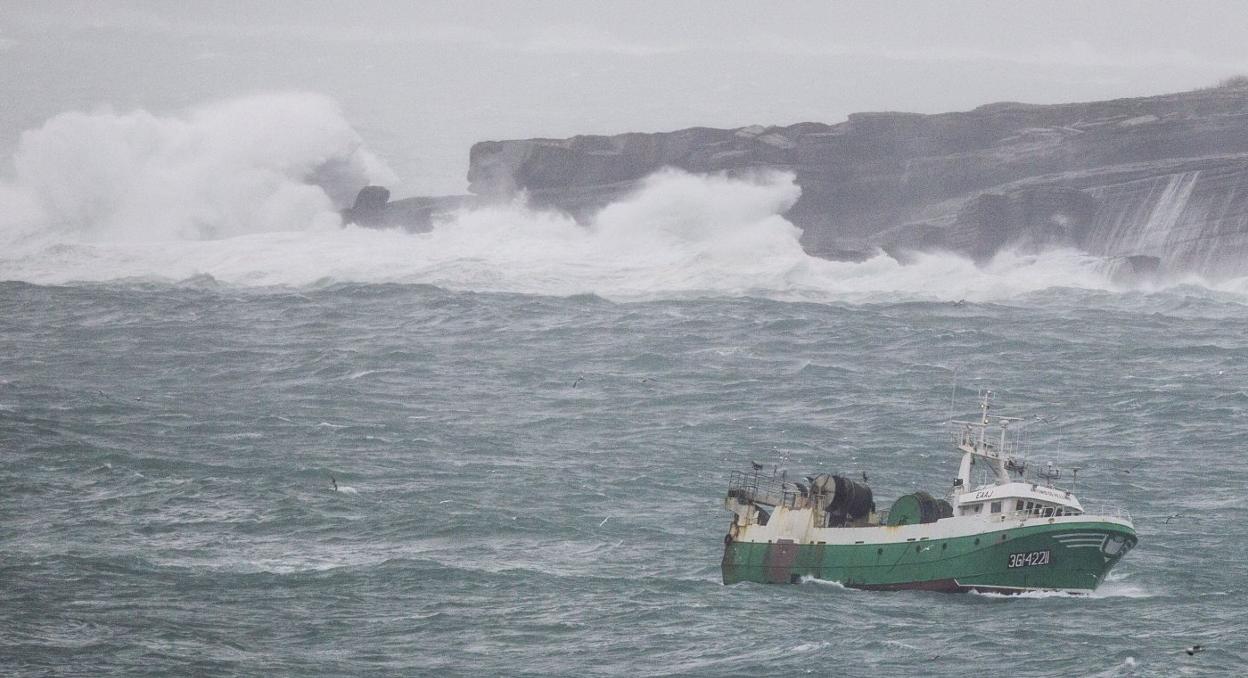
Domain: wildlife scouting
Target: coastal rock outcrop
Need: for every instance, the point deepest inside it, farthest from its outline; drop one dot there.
(1164, 178)
(374, 209)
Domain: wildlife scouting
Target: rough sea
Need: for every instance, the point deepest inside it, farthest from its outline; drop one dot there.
(530, 424)
(531, 485)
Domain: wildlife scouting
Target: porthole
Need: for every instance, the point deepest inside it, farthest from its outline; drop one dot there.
(944, 546)
(977, 541)
(879, 552)
(918, 549)
(1004, 537)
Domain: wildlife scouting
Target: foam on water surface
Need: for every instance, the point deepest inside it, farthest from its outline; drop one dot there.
(170, 425)
(247, 192)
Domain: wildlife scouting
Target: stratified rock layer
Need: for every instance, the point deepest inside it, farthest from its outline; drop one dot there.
(1163, 178)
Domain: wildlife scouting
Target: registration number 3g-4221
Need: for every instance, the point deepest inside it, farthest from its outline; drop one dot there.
(1028, 559)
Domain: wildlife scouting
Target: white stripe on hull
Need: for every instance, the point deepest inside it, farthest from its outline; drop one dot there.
(798, 525)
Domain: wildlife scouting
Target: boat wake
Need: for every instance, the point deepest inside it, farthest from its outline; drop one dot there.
(247, 193)
(824, 582)
(1106, 590)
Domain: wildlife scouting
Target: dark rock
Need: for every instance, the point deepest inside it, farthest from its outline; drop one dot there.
(373, 209)
(1164, 177)
(369, 208)
(1135, 270)
(1029, 217)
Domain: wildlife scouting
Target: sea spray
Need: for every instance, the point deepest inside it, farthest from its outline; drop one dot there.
(247, 192)
(264, 163)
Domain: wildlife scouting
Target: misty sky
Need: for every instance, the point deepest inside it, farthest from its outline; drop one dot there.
(422, 81)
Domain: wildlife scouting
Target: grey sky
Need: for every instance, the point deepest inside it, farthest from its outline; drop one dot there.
(422, 81)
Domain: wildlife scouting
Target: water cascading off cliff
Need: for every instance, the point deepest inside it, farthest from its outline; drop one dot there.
(1193, 220)
(1159, 178)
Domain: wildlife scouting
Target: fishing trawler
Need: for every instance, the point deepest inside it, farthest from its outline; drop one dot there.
(1006, 535)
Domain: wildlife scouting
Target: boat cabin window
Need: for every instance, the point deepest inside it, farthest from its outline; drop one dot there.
(996, 507)
(1036, 508)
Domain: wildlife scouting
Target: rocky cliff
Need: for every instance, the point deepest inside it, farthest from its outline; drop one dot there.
(1162, 179)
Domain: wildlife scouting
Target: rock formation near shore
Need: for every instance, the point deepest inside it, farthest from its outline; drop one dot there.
(1155, 182)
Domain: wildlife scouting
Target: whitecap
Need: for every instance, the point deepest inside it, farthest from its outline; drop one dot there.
(247, 192)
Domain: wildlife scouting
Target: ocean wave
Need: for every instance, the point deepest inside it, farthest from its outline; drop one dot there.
(247, 192)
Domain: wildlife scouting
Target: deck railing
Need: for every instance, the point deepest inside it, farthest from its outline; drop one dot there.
(969, 436)
(770, 489)
(1108, 510)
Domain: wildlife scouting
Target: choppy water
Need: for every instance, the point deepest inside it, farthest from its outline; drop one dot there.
(530, 475)
(167, 453)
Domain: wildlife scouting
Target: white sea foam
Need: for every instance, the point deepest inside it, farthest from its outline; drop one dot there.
(257, 164)
(1109, 589)
(826, 582)
(247, 192)
(1027, 594)
(1121, 589)
(1126, 667)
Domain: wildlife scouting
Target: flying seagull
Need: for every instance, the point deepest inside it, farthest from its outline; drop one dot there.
(757, 466)
(578, 381)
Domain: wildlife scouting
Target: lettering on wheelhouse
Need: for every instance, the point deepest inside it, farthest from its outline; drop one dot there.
(1029, 559)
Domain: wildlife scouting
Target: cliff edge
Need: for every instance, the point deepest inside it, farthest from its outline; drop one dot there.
(1161, 180)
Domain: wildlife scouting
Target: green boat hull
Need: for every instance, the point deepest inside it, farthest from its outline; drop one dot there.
(1065, 557)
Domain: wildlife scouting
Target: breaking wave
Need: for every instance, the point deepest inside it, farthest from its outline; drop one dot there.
(248, 192)
(258, 164)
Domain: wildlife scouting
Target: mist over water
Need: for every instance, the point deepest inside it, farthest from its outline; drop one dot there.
(275, 162)
(531, 421)
(248, 192)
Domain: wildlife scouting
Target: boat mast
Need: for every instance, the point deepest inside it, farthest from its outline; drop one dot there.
(973, 441)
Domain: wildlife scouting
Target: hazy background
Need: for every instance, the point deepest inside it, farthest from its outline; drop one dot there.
(192, 346)
(423, 81)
